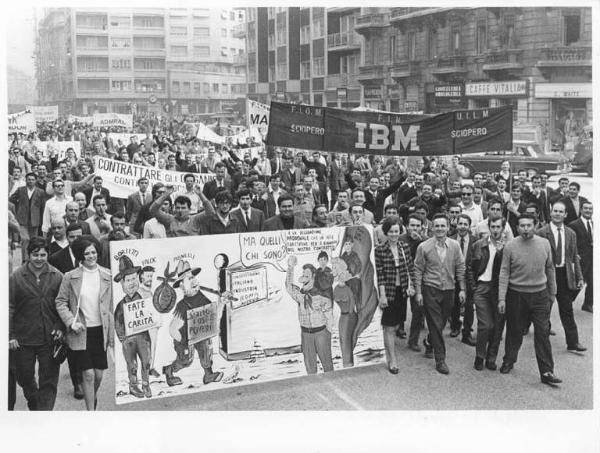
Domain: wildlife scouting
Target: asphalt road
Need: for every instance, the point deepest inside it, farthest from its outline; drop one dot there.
(417, 386)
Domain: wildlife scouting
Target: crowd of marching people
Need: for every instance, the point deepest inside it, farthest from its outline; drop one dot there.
(499, 248)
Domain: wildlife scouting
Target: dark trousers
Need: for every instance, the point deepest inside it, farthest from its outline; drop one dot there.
(76, 376)
(588, 276)
(40, 395)
(415, 323)
(437, 305)
(485, 299)
(565, 298)
(468, 315)
(12, 382)
(135, 346)
(185, 354)
(520, 309)
(494, 346)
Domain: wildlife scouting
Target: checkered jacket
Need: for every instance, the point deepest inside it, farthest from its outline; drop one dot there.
(386, 268)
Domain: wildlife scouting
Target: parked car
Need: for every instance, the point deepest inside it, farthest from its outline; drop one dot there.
(525, 155)
(583, 156)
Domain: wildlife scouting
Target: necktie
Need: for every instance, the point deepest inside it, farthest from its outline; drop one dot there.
(143, 199)
(462, 245)
(246, 219)
(589, 230)
(559, 248)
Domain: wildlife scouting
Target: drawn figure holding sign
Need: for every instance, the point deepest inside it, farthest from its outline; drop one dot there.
(137, 344)
(192, 298)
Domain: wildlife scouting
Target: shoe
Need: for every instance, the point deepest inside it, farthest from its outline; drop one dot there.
(577, 348)
(414, 347)
(506, 367)
(209, 377)
(393, 370)
(95, 404)
(552, 332)
(135, 391)
(78, 392)
(154, 373)
(172, 380)
(454, 333)
(146, 390)
(428, 349)
(491, 365)
(441, 367)
(550, 379)
(587, 308)
(478, 365)
(469, 341)
(401, 333)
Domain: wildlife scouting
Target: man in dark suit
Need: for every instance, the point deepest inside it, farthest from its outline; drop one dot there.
(65, 261)
(219, 183)
(569, 279)
(466, 241)
(584, 230)
(290, 175)
(336, 178)
(96, 189)
(250, 219)
(136, 201)
(197, 166)
(277, 162)
(539, 197)
(573, 202)
(286, 219)
(29, 202)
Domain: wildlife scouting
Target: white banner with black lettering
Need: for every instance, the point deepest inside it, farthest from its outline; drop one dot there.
(44, 113)
(258, 116)
(22, 122)
(112, 120)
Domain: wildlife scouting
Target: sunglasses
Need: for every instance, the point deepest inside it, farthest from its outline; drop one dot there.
(465, 194)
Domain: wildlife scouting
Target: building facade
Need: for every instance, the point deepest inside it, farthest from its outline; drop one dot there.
(121, 60)
(539, 60)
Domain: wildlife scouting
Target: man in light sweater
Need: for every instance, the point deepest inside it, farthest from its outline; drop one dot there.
(527, 284)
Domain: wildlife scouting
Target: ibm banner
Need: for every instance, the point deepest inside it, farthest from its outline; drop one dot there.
(235, 310)
(121, 178)
(336, 130)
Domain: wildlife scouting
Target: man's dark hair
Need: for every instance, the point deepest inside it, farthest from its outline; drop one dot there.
(223, 196)
(188, 175)
(534, 206)
(440, 216)
(322, 254)
(74, 227)
(463, 216)
(421, 205)
(526, 215)
(243, 193)
(493, 219)
(97, 197)
(283, 198)
(37, 243)
(97, 178)
(117, 215)
(182, 199)
(415, 217)
(575, 184)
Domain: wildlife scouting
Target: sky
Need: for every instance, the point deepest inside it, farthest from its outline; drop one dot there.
(20, 39)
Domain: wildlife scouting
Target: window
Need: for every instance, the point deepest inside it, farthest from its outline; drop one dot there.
(281, 34)
(224, 52)
(120, 43)
(318, 67)
(305, 70)
(148, 21)
(93, 85)
(201, 31)
(232, 51)
(223, 33)
(201, 51)
(121, 85)
(120, 22)
(206, 88)
(455, 41)
(411, 42)
(175, 86)
(215, 88)
(318, 27)
(147, 42)
(186, 87)
(349, 64)
(432, 43)
(251, 42)
(481, 38)
(272, 72)
(282, 71)
(271, 41)
(149, 64)
(305, 34)
(508, 36)
(393, 48)
(149, 85)
(572, 29)
(179, 51)
(92, 64)
(347, 23)
(179, 30)
(232, 15)
(196, 87)
(121, 63)
(224, 88)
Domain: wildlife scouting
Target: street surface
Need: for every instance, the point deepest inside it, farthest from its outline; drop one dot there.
(417, 386)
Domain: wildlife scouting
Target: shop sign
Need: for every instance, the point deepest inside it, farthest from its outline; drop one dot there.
(510, 88)
(373, 92)
(563, 90)
(449, 91)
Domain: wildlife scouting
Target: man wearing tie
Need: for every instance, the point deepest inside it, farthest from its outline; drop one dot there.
(584, 229)
(219, 183)
(573, 202)
(569, 279)
(136, 201)
(251, 219)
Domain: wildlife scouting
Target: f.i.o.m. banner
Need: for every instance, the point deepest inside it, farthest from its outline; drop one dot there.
(244, 308)
(22, 122)
(44, 113)
(121, 178)
(112, 120)
(336, 130)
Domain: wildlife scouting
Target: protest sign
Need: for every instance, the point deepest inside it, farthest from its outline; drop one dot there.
(80, 119)
(44, 113)
(125, 138)
(47, 148)
(336, 130)
(139, 316)
(121, 177)
(22, 122)
(202, 323)
(206, 134)
(112, 120)
(258, 116)
(244, 297)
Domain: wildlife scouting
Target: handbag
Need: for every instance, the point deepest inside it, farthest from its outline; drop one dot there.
(59, 351)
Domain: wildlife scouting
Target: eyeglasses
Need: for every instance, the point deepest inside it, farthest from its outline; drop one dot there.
(59, 185)
(466, 194)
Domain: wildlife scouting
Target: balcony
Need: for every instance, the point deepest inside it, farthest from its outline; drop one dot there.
(371, 73)
(405, 70)
(239, 60)
(371, 22)
(239, 31)
(341, 81)
(503, 62)
(552, 58)
(446, 67)
(343, 42)
(402, 14)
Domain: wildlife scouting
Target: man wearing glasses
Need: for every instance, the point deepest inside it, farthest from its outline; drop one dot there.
(55, 206)
(469, 207)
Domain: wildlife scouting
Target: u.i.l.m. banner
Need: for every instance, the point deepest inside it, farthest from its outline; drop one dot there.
(346, 131)
(243, 308)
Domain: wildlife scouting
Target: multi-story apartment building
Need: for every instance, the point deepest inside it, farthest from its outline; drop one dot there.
(140, 59)
(537, 59)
